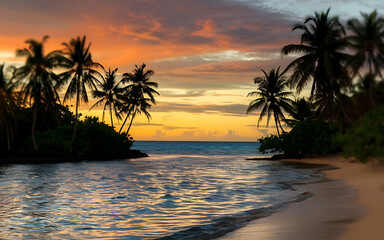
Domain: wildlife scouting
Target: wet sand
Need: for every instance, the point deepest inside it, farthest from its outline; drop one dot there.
(349, 207)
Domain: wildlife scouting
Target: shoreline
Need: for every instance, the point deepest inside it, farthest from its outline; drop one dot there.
(33, 157)
(348, 207)
(368, 180)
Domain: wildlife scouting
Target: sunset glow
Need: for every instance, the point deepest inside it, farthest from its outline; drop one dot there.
(205, 53)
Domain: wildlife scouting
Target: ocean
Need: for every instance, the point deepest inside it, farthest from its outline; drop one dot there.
(183, 190)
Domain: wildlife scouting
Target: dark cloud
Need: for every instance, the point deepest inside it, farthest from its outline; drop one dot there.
(229, 109)
(196, 22)
(188, 93)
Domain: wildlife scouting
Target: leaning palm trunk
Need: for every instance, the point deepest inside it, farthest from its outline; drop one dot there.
(277, 126)
(130, 124)
(34, 127)
(125, 120)
(281, 127)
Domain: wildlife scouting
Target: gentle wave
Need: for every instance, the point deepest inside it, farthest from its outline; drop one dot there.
(163, 195)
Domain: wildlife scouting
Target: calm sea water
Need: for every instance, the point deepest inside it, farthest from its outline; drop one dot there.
(184, 190)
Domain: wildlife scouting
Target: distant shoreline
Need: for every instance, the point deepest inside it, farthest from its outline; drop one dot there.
(33, 157)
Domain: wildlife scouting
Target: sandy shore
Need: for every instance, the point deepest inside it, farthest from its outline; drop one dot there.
(350, 207)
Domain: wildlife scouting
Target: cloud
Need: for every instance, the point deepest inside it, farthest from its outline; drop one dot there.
(231, 133)
(182, 93)
(147, 30)
(228, 109)
(159, 134)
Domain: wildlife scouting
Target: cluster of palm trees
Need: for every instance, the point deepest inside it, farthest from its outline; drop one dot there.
(36, 85)
(330, 62)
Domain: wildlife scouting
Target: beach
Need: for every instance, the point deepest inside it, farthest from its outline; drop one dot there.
(348, 207)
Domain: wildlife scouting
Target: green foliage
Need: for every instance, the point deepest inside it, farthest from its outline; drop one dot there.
(94, 139)
(306, 138)
(270, 144)
(366, 138)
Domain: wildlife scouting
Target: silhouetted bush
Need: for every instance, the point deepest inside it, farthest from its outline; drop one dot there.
(306, 138)
(93, 138)
(366, 138)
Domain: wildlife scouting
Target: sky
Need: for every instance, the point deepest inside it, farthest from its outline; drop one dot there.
(205, 53)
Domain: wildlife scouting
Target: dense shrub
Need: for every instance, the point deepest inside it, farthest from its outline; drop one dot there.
(366, 138)
(306, 138)
(93, 138)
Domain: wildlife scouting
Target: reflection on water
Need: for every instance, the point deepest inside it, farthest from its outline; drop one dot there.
(134, 199)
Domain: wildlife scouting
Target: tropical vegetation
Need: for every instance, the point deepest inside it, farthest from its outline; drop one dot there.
(341, 76)
(34, 121)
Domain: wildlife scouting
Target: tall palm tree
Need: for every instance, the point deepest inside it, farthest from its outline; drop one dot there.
(81, 73)
(367, 40)
(334, 106)
(365, 92)
(136, 106)
(111, 94)
(272, 97)
(6, 104)
(139, 94)
(322, 58)
(36, 77)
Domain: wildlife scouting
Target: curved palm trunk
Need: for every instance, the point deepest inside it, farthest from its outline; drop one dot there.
(34, 127)
(277, 125)
(125, 120)
(281, 127)
(130, 124)
(77, 110)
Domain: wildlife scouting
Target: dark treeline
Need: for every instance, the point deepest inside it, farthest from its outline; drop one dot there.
(34, 118)
(341, 65)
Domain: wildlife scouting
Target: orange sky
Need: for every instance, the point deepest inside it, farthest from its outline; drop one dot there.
(205, 53)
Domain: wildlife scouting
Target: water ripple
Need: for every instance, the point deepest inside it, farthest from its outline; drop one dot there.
(137, 199)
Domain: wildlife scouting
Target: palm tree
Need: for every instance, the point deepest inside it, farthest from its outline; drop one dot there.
(302, 110)
(6, 104)
(322, 58)
(36, 78)
(334, 106)
(365, 92)
(111, 94)
(367, 40)
(139, 94)
(81, 73)
(272, 97)
(135, 106)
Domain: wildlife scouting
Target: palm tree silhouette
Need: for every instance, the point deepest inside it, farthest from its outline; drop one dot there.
(322, 58)
(6, 104)
(367, 40)
(36, 78)
(139, 94)
(271, 97)
(136, 106)
(81, 73)
(365, 92)
(302, 110)
(111, 94)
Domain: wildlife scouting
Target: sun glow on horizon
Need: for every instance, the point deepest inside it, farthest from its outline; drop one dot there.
(205, 54)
